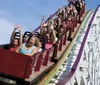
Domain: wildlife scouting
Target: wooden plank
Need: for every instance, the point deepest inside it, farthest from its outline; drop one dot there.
(37, 75)
(60, 53)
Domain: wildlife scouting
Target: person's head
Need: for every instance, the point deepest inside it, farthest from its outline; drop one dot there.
(67, 8)
(74, 8)
(71, 5)
(79, 0)
(31, 41)
(51, 21)
(15, 43)
(61, 30)
(38, 43)
(63, 23)
(45, 29)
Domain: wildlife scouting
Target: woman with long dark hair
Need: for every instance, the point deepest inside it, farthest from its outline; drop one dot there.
(15, 42)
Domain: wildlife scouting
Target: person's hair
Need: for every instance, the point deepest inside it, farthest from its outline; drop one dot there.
(17, 40)
(71, 3)
(36, 42)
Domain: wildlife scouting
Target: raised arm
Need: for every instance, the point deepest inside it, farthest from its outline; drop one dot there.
(48, 23)
(18, 49)
(13, 33)
(41, 25)
(43, 17)
(20, 30)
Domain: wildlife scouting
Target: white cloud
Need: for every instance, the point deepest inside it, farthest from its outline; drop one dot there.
(6, 28)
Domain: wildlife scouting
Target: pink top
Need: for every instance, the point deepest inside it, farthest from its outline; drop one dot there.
(48, 45)
(12, 49)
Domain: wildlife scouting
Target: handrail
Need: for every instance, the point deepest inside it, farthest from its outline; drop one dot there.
(74, 67)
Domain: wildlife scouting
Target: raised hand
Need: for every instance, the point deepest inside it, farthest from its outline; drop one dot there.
(59, 9)
(20, 28)
(16, 26)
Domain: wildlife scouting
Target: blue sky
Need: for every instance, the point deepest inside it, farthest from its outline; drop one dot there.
(28, 13)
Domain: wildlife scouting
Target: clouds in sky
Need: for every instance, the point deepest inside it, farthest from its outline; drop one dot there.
(6, 28)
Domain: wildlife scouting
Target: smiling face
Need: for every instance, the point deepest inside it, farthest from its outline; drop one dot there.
(31, 42)
(45, 29)
(15, 43)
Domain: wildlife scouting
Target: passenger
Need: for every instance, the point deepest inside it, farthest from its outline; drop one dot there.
(56, 23)
(41, 26)
(15, 42)
(52, 32)
(71, 6)
(61, 30)
(75, 11)
(38, 45)
(64, 26)
(28, 48)
(81, 3)
(69, 27)
(67, 11)
(78, 6)
(44, 27)
(53, 36)
(62, 13)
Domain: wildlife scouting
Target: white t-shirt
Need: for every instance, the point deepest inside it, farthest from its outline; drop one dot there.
(40, 50)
